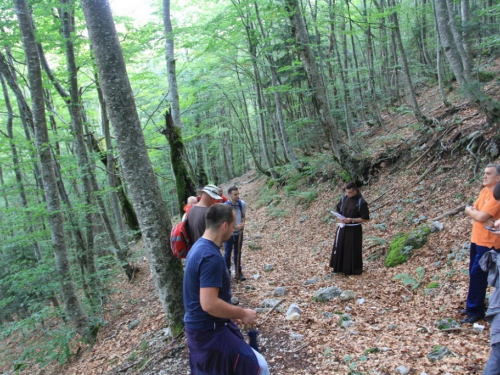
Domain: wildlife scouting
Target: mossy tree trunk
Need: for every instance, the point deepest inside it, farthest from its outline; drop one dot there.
(183, 182)
(127, 209)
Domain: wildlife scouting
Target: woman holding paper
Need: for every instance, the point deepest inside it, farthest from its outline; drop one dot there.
(352, 210)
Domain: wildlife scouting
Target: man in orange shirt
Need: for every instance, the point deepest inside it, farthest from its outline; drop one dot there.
(485, 211)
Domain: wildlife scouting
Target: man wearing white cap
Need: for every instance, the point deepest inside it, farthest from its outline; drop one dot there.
(196, 218)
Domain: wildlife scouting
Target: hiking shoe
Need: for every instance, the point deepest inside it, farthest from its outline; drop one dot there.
(241, 277)
(464, 312)
(471, 319)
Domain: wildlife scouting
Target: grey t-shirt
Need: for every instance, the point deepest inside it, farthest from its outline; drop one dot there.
(196, 223)
(239, 213)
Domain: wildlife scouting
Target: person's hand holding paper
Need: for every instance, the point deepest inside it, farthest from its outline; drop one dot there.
(340, 217)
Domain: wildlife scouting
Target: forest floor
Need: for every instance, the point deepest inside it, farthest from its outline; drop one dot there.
(396, 324)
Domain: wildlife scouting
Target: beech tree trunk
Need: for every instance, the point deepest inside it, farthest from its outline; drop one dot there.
(471, 87)
(406, 69)
(439, 55)
(315, 83)
(17, 168)
(73, 102)
(113, 169)
(142, 184)
(73, 306)
(180, 171)
(289, 154)
(171, 73)
(87, 168)
(259, 103)
(24, 111)
(183, 183)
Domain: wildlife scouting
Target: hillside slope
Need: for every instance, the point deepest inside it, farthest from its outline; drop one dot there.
(417, 174)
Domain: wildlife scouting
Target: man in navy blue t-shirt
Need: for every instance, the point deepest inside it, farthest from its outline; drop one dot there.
(215, 343)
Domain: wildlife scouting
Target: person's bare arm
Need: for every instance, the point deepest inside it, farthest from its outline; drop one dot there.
(212, 304)
(477, 215)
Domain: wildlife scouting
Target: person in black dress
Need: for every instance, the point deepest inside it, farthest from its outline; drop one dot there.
(347, 249)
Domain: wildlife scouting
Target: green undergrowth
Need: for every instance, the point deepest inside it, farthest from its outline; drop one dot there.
(413, 281)
(403, 245)
(299, 188)
(55, 346)
(41, 333)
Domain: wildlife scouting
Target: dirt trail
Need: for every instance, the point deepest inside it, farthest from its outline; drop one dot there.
(395, 326)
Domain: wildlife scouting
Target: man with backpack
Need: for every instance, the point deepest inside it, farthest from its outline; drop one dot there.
(215, 343)
(195, 221)
(347, 250)
(235, 242)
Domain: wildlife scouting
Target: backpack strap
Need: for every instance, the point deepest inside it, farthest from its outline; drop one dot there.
(240, 205)
(342, 200)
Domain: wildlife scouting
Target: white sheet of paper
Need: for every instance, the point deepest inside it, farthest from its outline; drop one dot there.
(339, 216)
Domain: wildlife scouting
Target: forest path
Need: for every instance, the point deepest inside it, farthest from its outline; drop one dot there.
(395, 326)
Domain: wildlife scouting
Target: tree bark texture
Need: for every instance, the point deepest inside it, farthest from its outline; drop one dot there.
(183, 183)
(439, 60)
(79, 144)
(406, 69)
(175, 112)
(73, 306)
(470, 87)
(24, 110)
(289, 154)
(126, 207)
(138, 172)
(171, 73)
(111, 166)
(17, 168)
(315, 83)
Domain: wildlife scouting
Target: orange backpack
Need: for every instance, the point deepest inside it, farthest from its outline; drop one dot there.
(179, 240)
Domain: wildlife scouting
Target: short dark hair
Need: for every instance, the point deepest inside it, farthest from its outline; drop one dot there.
(496, 191)
(497, 168)
(218, 214)
(351, 185)
(231, 189)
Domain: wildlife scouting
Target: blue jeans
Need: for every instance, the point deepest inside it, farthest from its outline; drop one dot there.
(493, 365)
(478, 281)
(233, 245)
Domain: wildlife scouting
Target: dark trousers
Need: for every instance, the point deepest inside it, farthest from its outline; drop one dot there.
(478, 281)
(233, 245)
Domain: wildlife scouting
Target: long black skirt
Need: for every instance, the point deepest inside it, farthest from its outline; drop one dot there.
(347, 250)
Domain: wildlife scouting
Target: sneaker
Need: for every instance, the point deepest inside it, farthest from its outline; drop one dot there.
(241, 277)
(464, 312)
(471, 319)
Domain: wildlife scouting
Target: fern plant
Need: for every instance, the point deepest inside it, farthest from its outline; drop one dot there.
(411, 280)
